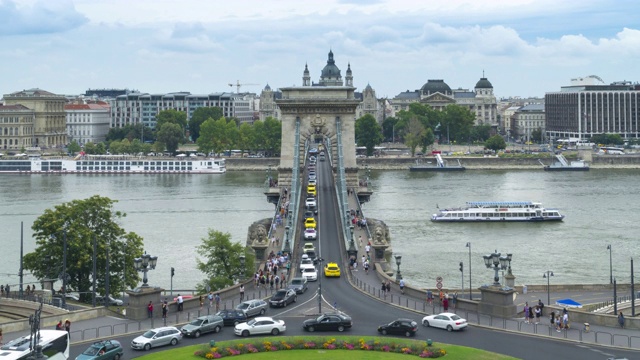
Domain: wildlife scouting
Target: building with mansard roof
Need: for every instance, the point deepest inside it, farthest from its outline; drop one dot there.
(438, 94)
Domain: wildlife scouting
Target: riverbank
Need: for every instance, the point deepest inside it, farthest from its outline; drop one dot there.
(403, 162)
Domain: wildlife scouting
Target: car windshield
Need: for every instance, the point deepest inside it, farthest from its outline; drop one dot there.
(306, 261)
(243, 306)
(297, 282)
(196, 322)
(309, 270)
(455, 317)
(93, 350)
(149, 334)
(279, 295)
(251, 322)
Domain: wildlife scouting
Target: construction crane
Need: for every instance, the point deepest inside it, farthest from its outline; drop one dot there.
(238, 85)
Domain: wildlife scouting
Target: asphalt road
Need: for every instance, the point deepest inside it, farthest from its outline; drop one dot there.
(367, 313)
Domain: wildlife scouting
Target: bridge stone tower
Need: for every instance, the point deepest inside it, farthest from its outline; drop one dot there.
(319, 108)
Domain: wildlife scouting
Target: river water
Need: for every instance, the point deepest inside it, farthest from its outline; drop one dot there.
(174, 212)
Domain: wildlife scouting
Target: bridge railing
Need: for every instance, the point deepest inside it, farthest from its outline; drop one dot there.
(341, 185)
(289, 241)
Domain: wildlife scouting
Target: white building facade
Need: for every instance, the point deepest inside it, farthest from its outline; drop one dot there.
(87, 122)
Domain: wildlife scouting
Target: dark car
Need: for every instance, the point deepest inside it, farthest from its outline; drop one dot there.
(328, 322)
(406, 327)
(232, 317)
(283, 297)
(203, 324)
(102, 350)
(307, 214)
(298, 284)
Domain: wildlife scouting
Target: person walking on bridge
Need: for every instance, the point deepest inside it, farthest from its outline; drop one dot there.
(621, 320)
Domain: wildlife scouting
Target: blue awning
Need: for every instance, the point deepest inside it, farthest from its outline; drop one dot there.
(568, 303)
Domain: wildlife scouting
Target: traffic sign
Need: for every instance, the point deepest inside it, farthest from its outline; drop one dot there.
(439, 279)
(439, 286)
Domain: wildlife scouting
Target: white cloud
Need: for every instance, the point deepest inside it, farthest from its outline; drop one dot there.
(39, 17)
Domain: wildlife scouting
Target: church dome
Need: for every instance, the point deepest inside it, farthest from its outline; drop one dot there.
(434, 86)
(483, 83)
(330, 70)
(267, 88)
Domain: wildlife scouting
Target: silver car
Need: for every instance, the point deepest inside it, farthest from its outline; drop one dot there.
(203, 324)
(157, 337)
(253, 307)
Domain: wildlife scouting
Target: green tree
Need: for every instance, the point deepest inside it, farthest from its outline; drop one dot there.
(171, 135)
(221, 262)
(172, 116)
(159, 147)
(457, 121)
(537, 136)
(480, 132)
(246, 141)
(74, 147)
(272, 136)
(115, 147)
(368, 133)
(414, 134)
(101, 149)
(201, 115)
(390, 128)
(90, 148)
(217, 135)
(82, 221)
(496, 142)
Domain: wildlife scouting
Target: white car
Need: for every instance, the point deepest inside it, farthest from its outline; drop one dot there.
(312, 182)
(260, 325)
(449, 321)
(157, 337)
(306, 263)
(308, 247)
(310, 202)
(310, 273)
(310, 234)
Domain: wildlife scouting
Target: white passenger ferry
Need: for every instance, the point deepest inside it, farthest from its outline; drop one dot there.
(107, 164)
(499, 211)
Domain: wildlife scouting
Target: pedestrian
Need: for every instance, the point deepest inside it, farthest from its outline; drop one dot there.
(401, 285)
(1, 343)
(383, 287)
(2, 290)
(288, 267)
(59, 325)
(621, 320)
(445, 304)
(388, 286)
(552, 318)
(271, 282)
(180, 302)
(526, 312)
(150, 310)
(367, 248)
(558, 323)
(277, 281)
(366, 267)
(531, 314)
(538, 314)
(430, 297)
(441, 297)
(210, 297)
(454, 299)
(165, 308)
(565, 321)
(283, 279)
(360, 239)
(201, 302)
(67, 325)
(540, 304)
(363, 259)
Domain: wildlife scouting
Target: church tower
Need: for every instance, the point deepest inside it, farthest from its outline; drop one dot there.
(349, 77)
(306, 78)
(330, 74)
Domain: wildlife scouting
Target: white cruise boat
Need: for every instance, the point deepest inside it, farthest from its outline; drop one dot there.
(108, 164)
(477, 211)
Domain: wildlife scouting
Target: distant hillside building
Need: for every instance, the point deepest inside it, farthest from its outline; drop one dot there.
(136, 108)
(106, 93)
(49, 128)
(88, 122)
(437, 94)
(581, 111)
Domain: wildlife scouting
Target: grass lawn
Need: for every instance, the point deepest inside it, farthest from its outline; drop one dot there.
(453, 352)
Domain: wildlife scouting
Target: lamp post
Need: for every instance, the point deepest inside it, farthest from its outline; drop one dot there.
(610, 265)
(496, 262)
(469, 246)
(393, 134)
(242, 267)
(287, 243)
(548, 274)
(398, 275)
(352, 247)
(145, 263)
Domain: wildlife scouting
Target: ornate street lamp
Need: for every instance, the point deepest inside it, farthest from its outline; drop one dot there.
(352, 247)
(242, 266)
(548, 274)
(398, 275)
(144, 264)
(287, 243)
(610, 265)
(469, 246)
(496, 262)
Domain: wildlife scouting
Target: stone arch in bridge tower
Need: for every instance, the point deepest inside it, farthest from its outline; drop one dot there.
(319, 110)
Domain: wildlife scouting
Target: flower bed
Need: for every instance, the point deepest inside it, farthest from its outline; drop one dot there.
(408, 347)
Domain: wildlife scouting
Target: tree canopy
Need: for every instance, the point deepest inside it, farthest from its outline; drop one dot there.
(221, 263)
(496, 142)
(201, 115)
(171, 135)
(607, 139)
(82, 221)
(368, 133)
(172, 116)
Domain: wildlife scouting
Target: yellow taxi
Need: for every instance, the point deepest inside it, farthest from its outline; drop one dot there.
(331, 270)
(311, 190)
(310, 223)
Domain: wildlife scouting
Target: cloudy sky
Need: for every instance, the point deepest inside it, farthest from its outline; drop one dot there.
(525, 47)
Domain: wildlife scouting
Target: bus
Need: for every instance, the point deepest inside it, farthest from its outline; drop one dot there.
(610, 150)
(55, 345)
